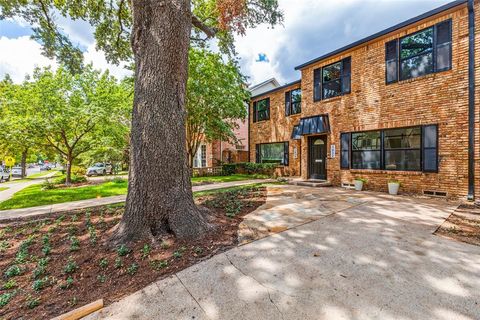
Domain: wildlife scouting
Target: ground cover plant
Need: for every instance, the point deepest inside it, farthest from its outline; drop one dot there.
(52, 264)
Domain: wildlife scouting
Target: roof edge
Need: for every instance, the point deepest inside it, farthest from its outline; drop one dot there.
(400, 25)
(277, 89)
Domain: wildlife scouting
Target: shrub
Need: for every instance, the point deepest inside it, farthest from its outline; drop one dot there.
(103, 263)
(158, 264)
(146, 251)
(5, 298)
(39, 284)
(118, 263)
(118, 180)
(13, 271)
(132, 269)
(78, 171)
(74, 243)
(32, 303)
(48, 185)
(10, 284)
(260, 168)
(68, 283)
(102, 278)
(229, 168)
(123, 250)
(73, 179)
(71, 266)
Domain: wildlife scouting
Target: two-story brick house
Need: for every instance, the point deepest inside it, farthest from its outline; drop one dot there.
(398, 105)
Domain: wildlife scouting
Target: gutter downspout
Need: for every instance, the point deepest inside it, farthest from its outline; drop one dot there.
(471, 101)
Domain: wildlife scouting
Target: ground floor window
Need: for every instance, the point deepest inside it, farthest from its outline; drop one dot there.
(272, 153)
(200, 159)
(398, 149)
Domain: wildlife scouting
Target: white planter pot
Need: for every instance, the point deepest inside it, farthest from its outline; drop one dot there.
(358, 185)
(393, 188)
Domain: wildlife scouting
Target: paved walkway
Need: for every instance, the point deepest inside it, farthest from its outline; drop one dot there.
(14, 187)
(81, 204)
(376, 259)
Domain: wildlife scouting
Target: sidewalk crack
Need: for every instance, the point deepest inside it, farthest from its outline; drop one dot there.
(261, 284)
(191, 295)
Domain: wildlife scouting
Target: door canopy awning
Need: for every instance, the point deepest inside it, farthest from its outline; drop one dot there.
(311, 125)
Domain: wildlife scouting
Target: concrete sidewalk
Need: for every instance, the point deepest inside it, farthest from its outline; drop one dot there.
(375, 260)
(14, 186)
(81, 204)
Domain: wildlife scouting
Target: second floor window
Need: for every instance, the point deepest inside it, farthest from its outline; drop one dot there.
(261, 110)
(293, 102)
(332, 80)
(423, 52)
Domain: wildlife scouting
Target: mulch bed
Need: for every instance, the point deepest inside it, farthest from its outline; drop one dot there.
(463, 225)
(52, 265)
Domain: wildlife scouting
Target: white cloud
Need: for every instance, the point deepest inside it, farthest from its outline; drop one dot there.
(312, 28)
(97, 58)
(18, 57)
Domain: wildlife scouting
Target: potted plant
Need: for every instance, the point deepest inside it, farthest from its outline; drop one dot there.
(359, 183)
(393, 186)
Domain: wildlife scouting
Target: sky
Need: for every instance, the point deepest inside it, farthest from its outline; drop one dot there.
(311, 28)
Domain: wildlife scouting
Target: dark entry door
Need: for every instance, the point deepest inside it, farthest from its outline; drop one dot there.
(317, 156)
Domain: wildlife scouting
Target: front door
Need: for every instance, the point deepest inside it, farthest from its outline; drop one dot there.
(317, 156)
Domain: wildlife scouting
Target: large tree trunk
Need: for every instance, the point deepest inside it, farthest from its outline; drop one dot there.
(24, 163)
(160, 195)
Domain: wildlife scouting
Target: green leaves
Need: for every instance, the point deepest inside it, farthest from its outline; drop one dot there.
(216, 95)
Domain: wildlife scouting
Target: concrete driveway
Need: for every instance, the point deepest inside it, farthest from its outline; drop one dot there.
(377, 259)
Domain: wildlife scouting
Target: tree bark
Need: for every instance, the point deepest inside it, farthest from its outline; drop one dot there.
(68, 172)
(160, 195)
(24, 163)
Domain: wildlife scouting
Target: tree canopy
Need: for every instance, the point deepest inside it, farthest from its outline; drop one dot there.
(216, 95)
(113, 25)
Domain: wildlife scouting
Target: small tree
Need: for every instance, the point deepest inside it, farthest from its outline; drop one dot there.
(71, 109)
(216, 95)
(18, 129)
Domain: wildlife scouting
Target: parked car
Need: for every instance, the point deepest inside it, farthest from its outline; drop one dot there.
(17, 172)
(4, 174)
(45, 167)
(100, 168)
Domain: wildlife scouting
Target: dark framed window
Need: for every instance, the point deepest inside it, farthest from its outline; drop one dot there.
(430, 148)
(272, 153)
(203, 155)
(421, 53)
(345, 150)
(402, 149)
(332, 80)
(391, 61)
(293, 102)
(399, 149)
(366, 150)
(261, 110)
(416, 54)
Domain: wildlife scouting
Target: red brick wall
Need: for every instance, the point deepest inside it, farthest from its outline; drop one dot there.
(440, 98)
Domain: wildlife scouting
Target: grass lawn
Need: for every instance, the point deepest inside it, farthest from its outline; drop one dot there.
(231, 178)
(33, 196)
(36, 176)
(3, 188)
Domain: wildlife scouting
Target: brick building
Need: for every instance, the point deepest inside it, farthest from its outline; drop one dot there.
(398, 105)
